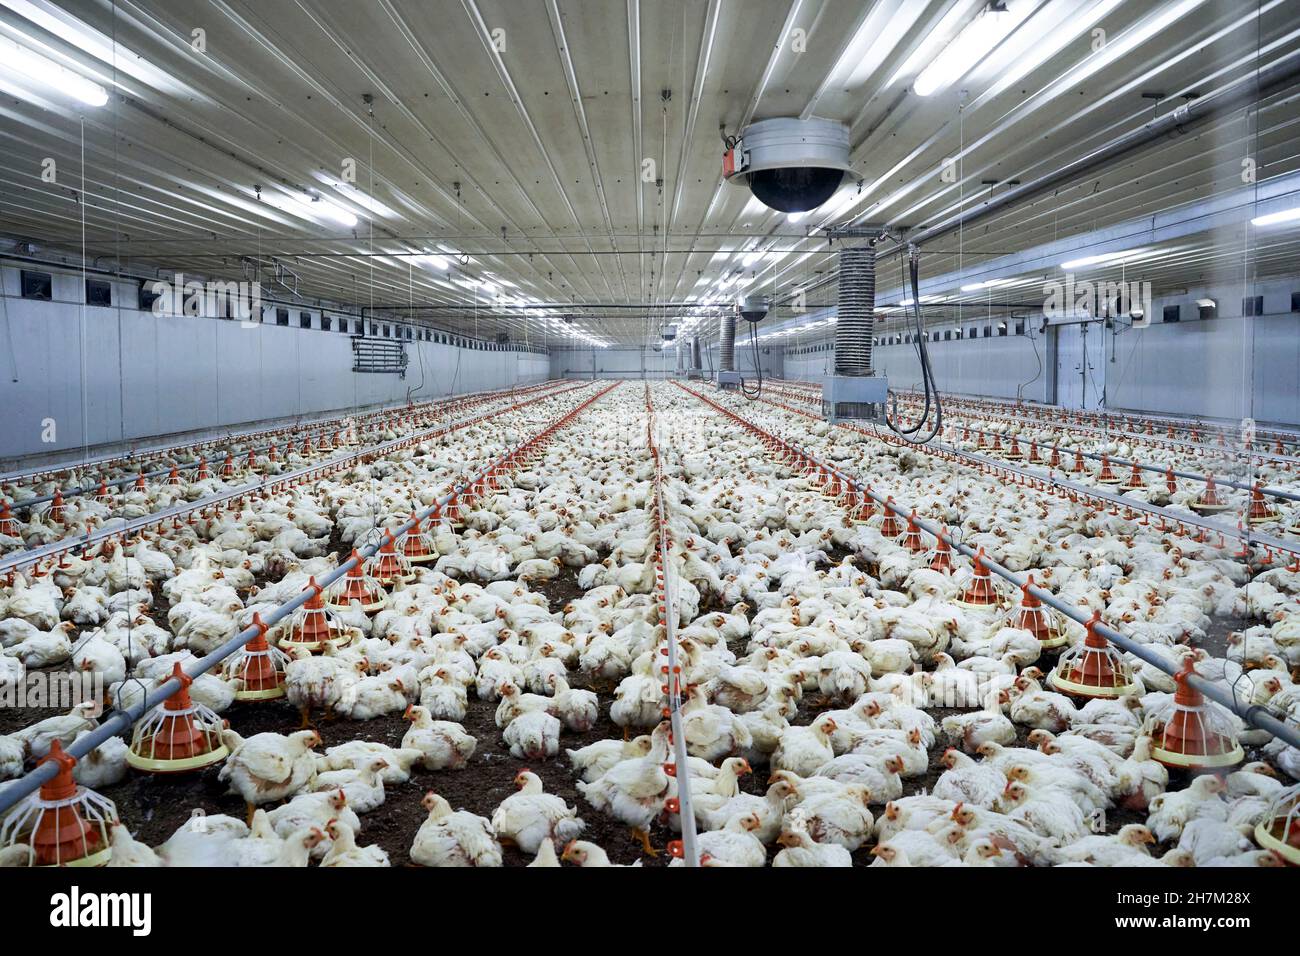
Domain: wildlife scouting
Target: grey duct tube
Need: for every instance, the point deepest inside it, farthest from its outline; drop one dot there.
(857, 306)
(696, 360)
(727, 342)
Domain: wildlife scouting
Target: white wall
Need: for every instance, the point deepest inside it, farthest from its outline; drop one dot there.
(148, 375)
(634, 362)
(1231, 366)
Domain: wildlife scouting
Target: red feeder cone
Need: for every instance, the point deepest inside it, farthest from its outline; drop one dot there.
(8, 525)
(1014, 453)
(889, 526)
(866, 505)
(1093, 668)
(941, 556)
(1033, 453)
(1106, 475)
(1078, 465)
(417, 544)
(201, 474)
(1171, 482)
(911, 538)
(1197, 735)
(1135, 480)
(1209, 502)
(102, 494)
(173, 476)
(228, 466)
(358, 586)
(1279, 829)
(259, 667)
(387, 566)
(1039, 620)
(980, 592)
(63, 824)
(1260, 511)
(312, 624)
(56, 506)
(177, 735)
(1055, 460)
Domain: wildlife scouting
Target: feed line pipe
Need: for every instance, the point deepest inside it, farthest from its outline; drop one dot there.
(16, 559)
(28, 503)
(120, 721)
(1254, 714)
(672, 683)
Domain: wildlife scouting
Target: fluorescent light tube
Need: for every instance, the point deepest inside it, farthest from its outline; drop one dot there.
(45, 71)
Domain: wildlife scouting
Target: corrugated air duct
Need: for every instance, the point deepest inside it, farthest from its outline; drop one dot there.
(696, 360)
(856, 312)
(727, 342)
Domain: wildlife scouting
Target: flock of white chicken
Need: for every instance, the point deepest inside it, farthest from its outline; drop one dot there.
(816, 674)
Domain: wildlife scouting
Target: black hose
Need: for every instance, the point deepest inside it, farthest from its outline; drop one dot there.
(927, 374)
(758, 365)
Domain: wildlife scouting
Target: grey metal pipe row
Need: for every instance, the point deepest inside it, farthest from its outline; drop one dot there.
(17, 559)
(1254, 714)
(686, 814)
(122, 720)
(27, 503)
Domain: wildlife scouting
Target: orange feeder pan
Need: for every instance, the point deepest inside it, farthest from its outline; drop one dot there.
(1209, 502)
(8, 525)
(63, 823)
(1093, 668)
(1135, 480)
(911, 537)
(941, 556)
(1259, 512)
(357, 586)
(889, 526)
(1279, 830)
(1106, 476)
(1196, 736)
(1035, 617)
(103, 495)
(417, 545)
(981, 591)
(387, 566)
(178, 735)
(259, 668)
(312, 624)
(1014, 453)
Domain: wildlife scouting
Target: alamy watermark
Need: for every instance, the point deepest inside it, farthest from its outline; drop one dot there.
(1075, 297)
(219, 298)
(63, 690)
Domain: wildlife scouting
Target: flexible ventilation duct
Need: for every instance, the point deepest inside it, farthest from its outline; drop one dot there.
(857, 305)
(681, 344)
(696, 360)
(727, 343)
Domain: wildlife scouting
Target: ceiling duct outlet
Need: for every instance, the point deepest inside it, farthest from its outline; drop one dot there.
(789, 164)
(752, 309)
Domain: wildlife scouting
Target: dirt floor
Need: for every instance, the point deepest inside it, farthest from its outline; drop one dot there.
(154, 806)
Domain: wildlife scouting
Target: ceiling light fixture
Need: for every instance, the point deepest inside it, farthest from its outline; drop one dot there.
(1273, 218)
(975, 41)
(43, 70)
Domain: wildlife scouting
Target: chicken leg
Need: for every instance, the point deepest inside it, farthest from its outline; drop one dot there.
(305, 710)
(644, 838)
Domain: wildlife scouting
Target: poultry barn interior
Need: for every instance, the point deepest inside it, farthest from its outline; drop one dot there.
(699, 433)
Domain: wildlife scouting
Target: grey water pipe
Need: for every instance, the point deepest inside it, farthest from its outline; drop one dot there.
(121, 720)
(1253, 714)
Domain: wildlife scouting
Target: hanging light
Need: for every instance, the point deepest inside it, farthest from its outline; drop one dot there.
(32, 66)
